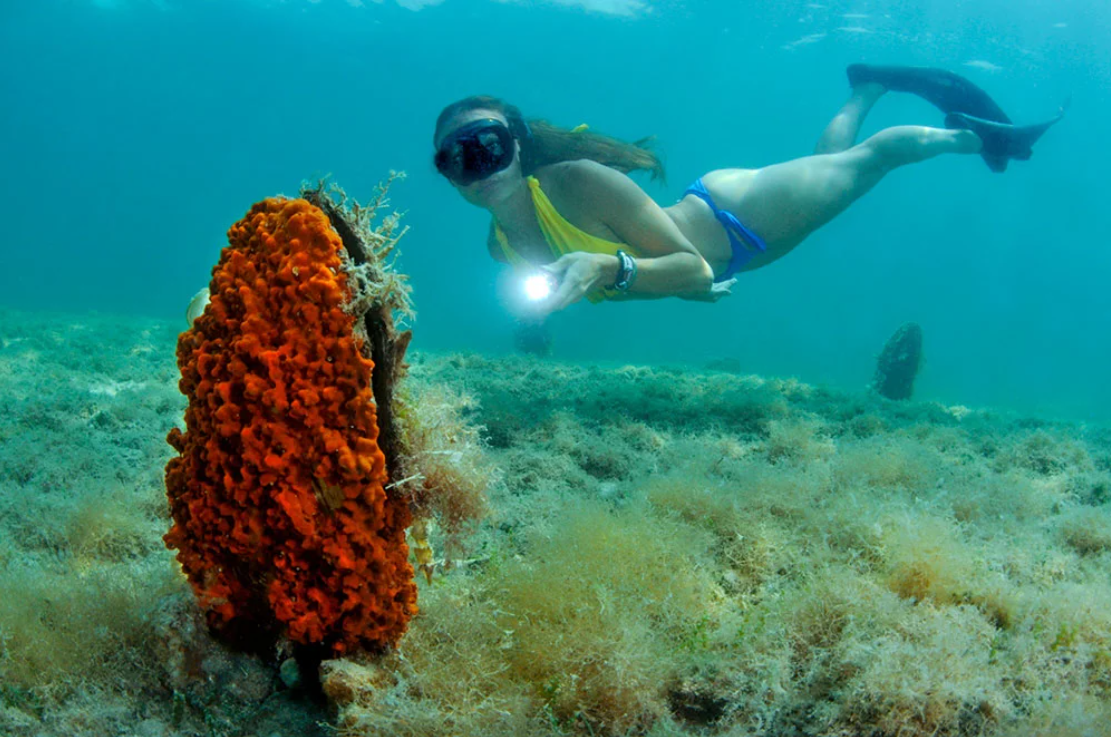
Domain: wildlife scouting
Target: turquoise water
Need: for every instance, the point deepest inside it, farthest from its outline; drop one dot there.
(135, 132)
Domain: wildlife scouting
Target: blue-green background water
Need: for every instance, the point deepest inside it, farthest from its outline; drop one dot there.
(134, 132)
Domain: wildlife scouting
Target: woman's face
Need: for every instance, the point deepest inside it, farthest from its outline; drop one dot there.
(491, 190)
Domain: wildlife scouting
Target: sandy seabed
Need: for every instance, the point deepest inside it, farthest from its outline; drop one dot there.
(667, 551)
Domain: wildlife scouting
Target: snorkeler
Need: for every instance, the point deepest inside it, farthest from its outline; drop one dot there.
(562, 202)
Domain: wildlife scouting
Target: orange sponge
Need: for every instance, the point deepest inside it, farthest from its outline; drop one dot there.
(282, 521)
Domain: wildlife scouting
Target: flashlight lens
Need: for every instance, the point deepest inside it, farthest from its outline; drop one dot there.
(537, 287)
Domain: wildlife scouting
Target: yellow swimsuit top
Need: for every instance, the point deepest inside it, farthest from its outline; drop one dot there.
(562, 238)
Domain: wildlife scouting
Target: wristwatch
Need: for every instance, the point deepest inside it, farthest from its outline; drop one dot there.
(626, 272)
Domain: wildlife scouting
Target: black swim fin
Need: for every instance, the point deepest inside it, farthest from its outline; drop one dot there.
(965, 106)
(948, 92)
(1002, 141)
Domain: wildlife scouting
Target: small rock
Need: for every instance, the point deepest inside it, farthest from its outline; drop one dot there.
(290, 673)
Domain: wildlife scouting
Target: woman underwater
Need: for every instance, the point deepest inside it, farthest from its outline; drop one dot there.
(561, 199)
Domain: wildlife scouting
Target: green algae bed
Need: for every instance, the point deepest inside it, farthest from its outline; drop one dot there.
(665, 551)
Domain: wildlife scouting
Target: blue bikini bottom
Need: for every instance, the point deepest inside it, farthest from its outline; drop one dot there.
(743, 242)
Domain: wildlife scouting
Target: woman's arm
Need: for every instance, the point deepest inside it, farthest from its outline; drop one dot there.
(669, 266)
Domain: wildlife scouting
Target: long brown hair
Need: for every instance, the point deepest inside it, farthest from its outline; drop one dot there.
(543, 143)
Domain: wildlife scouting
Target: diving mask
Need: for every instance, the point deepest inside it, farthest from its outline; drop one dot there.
(475, 151)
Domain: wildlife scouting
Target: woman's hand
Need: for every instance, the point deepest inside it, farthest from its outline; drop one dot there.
(717, 291)
(576, 274)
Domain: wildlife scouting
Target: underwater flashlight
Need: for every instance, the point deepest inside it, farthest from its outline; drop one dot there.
(538, 286)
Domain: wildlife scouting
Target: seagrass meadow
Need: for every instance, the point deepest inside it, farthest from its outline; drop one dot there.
(664, 550)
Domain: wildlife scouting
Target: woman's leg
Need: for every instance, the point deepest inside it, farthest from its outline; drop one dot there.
(841, 132)
(786, 202)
